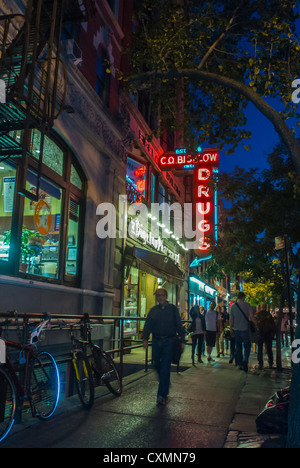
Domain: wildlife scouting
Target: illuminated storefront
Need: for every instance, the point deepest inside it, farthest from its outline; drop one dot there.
(151, 259)
(200, 293)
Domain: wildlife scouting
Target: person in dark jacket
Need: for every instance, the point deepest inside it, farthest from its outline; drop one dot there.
(164, 322)
(266, 331)
(197, 330)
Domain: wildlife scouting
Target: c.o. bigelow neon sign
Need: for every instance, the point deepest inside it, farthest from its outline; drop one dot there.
(204, 165)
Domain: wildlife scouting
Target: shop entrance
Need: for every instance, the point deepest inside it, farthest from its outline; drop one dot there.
(139, 297)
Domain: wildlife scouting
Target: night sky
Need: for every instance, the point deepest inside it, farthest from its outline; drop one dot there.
(264, 138)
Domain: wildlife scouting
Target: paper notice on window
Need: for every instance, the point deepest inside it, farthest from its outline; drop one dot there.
(8, 193)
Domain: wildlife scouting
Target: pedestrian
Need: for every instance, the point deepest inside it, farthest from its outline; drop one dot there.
(203, 312)
(239, 326)
(266, 330)
(197, 330)
(225, 317)
(220, 332)
(211, 329)
(164, 322)
(284, 330)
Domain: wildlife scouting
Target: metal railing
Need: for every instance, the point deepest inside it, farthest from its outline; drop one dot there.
(117, 338)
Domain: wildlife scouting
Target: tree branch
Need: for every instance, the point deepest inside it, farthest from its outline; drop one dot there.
(269, 112)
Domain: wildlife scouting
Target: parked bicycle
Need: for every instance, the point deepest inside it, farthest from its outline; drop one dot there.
(82, 371)
(96, 369)
(33, 377)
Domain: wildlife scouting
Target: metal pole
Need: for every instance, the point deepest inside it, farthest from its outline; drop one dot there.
(288, 287)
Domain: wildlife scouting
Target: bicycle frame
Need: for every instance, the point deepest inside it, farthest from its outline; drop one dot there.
(28, 350)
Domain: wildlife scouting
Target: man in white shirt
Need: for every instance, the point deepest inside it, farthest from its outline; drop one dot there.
(239, 327)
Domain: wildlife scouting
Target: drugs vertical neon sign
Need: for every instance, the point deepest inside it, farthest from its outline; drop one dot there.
(205, 201)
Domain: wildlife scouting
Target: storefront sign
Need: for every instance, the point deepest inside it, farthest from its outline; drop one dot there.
(137, 231)
(205, 201)
(177, 160)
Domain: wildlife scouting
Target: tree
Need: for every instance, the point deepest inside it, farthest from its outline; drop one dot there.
(227, 53)
(261, 207)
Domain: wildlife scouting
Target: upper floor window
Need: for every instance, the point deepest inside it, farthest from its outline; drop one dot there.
(114, 6)
(102, 77)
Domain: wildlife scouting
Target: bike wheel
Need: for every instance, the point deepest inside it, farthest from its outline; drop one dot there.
(105, 370)
(44, 385)
(84, 379)
(8, 403)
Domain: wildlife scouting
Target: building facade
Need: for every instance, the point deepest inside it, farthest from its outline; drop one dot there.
(82, 149)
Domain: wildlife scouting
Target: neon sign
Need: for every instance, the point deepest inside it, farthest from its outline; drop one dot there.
(204, 164)
(178, 159)
(205, 200)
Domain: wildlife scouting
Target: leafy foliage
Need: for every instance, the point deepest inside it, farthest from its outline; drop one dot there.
(261, 207)
(251, 42)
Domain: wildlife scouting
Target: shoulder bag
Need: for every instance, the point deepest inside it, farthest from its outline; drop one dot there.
(253, 332)
(177, 345)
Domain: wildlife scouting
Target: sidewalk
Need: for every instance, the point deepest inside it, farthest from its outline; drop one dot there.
(212, 405)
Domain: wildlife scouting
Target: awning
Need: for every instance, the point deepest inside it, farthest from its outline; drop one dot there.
(156, 264)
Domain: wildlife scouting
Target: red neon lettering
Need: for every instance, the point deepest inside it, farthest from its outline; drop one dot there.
(213, 157)
(204, 226)
(203, 190)
(203, 245)
(163, 160)
(204, 210)
(201, 172)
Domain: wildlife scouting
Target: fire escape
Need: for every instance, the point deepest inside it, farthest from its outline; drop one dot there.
(34, 77)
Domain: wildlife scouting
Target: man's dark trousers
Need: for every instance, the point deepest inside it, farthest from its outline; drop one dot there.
(162, 350)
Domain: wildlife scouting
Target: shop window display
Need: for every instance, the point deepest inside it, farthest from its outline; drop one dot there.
(41, 237)
(131, 294)
(41, 229)
(136, 179)
(73, 238)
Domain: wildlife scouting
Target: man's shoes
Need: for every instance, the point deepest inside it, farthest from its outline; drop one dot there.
(161, 401)
(245, 366)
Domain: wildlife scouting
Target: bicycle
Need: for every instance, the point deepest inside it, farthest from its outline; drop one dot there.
(104, 368)
(82, 371)
(96, 369)
(38, 381)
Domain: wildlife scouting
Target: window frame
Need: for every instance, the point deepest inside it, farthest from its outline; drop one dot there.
(11, 266)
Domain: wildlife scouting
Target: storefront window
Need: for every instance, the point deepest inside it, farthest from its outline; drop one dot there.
(152, 188)
(75, 178)
(7, 192)
(41, 229)
(53, 156)
(161, 196)
(131, 295)
(41, 237)
(72, 245)
(136, 176)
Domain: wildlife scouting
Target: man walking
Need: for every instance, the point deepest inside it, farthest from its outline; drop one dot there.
(163, 321)
(239, 326)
